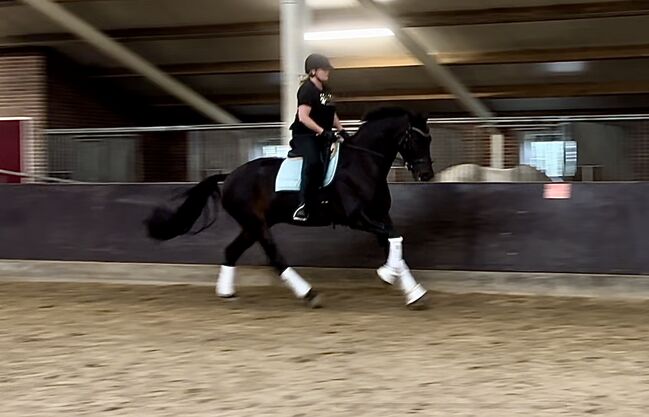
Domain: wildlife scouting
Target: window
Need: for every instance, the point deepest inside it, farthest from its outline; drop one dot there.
(556, 158)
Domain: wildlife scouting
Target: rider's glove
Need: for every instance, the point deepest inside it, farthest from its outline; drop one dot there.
(344, 134)
(328, 136)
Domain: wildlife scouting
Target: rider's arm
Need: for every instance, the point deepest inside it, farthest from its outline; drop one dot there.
(303, 114)
(337, 124)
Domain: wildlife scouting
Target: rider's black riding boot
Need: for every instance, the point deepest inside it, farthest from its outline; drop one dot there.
(301, 214)
(311, 180)
(310, 147)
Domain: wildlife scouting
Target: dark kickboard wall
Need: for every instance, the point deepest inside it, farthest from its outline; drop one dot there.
(602, 228)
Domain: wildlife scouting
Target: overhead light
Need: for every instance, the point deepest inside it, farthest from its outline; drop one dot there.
(566, 67)
(348, 34)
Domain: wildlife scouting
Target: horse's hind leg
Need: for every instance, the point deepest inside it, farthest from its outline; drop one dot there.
(225, 284)
(300, 287)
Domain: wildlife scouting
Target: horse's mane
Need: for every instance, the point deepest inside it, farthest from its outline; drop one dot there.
(382, 113)
(385, 112)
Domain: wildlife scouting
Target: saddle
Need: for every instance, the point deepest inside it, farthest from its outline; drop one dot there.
(290, 173)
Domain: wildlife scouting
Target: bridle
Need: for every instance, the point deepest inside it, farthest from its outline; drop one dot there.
(364, 150)
(404, 142)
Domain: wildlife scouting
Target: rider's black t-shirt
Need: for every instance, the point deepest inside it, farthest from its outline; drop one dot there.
(322, 108)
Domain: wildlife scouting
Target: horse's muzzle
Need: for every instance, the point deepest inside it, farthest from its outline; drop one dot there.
(421, 169)
(422, 172)
(426, 176)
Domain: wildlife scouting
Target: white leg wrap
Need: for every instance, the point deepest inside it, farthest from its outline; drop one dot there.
(295, 282)
(410, 287)
(396, 253)
(392, 269)
(225, 283)
(388, 275)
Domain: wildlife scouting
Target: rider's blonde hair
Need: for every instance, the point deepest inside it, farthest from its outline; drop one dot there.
(304, 78)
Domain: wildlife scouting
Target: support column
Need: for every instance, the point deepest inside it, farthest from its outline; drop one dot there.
(497, 150)
(293, 20)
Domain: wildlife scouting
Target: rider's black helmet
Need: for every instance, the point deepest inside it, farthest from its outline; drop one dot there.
(315, 61)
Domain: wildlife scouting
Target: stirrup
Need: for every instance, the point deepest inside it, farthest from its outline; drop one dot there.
(300, 217)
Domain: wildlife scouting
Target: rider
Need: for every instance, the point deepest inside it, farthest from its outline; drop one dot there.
(311, 130)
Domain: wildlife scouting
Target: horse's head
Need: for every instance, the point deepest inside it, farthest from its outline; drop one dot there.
(414, 147)
(391, 130)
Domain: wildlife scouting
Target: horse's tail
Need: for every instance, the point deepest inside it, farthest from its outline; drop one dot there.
(165, 224)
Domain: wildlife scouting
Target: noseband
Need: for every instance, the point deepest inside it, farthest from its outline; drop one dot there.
(405, 141)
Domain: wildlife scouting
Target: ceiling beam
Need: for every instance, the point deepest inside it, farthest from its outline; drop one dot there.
(484, 92)
(126, 57)
(234, 30)
(255, 67)
(447, 58)
(565, 89)
(422, 19)
(516, 91)
(527, 13)
(229, 30)
(436, 71)
(591, 53)
(18, 2)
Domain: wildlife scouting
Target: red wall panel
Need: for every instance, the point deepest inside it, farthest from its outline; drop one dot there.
(10, 157)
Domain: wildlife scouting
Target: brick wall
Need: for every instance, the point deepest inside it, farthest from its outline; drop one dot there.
(476, 145)
(639, 133)
(54, 92)
(163, 157)
(77, 101)
(23, 94)
(512, 148)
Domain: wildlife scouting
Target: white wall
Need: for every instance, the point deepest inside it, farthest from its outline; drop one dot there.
(605, 145)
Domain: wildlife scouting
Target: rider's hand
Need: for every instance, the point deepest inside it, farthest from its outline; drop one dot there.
(328, 136)
(344, 134)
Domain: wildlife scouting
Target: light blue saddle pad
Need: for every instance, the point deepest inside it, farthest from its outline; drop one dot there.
(288, 177)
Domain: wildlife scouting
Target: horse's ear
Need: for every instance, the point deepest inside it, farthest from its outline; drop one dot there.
(421, 119)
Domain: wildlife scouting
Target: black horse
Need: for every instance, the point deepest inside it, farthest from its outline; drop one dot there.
(358, 198)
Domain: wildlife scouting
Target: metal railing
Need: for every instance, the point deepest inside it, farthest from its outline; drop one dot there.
(40, 178)
(606, 147)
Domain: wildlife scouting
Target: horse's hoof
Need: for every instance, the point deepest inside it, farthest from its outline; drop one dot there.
(312, 299)
(416, 298)
(388, 275)
(228, 297)
(422, 303)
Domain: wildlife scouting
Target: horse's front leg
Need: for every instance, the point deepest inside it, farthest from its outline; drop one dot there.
(395, 270)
